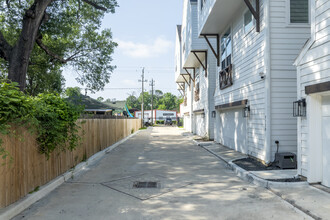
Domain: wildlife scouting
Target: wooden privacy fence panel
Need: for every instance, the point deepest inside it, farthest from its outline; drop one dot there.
(31, 169)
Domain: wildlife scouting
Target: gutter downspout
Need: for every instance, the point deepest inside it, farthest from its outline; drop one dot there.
(268, 132)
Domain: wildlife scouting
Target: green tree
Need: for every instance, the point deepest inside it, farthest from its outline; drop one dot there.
(168, 102)
(133, 102)
(146, 101)
(52, 34)
(100, 99)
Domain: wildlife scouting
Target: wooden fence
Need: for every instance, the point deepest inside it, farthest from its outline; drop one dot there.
(30, 169)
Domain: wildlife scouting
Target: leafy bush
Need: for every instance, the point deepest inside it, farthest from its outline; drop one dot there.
(48, 115)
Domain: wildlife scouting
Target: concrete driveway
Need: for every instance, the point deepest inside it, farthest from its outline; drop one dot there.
(190, 184)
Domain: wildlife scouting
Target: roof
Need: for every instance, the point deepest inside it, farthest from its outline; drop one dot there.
(88, 102)
(116, 105)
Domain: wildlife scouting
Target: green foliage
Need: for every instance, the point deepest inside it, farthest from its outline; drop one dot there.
(162, 101)
(48, 115)
(44, 75)
(57, 123)
(71, 31)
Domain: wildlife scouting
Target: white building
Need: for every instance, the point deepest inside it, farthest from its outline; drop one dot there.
(313, 70)
(156, 114)
(183, 83)
(196, 74)
(259, 41)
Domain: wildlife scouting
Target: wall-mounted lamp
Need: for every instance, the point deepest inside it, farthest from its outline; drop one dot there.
(246, 111)
(299, 108)
(213, 114)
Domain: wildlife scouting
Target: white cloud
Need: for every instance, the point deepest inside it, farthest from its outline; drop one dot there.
(140, 50)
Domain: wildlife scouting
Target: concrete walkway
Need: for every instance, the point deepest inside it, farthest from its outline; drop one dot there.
(313, 200)
(190, 183)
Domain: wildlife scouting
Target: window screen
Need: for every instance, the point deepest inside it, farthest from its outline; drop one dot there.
(299, 11)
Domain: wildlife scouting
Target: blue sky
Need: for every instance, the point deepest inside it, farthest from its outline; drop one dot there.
(145, 31)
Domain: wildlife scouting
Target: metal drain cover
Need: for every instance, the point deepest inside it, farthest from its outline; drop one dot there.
(145, 186)
(139, 184)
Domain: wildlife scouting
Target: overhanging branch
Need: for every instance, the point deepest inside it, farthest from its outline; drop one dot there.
(55, 56)
(95, 5)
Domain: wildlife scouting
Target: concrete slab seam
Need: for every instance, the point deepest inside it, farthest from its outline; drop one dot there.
(19, 206)
(296, 207)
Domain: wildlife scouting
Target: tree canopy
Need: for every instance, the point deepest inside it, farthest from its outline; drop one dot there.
(39, 37)
(162, 101)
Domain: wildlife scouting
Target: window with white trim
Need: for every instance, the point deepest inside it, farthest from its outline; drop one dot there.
(299, 11)
(226, 49)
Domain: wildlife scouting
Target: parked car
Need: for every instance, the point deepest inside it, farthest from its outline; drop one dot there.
(168, 121)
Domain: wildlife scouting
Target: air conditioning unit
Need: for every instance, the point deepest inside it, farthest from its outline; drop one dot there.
(286, 160)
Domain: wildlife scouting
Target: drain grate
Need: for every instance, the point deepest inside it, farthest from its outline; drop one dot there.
(145, 185)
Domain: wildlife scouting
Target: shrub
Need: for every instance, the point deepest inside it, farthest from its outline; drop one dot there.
(48, 115)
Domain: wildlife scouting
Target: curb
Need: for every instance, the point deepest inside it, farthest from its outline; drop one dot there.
(16, 208)
(250, 177)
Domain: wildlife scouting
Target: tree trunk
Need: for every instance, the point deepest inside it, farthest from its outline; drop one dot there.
(20, 55)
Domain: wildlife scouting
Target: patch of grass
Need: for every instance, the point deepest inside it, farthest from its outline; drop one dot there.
(143, 128)
(132, 130)
(35, 190)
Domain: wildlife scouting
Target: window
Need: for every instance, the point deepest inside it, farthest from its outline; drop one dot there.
(299, 11)
(248, 21)
(226, 49)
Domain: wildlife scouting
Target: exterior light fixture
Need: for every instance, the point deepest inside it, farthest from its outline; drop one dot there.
(246, 111)
(213, 114)
(299, 108)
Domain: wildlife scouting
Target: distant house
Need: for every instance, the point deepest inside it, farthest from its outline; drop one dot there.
(99, 111)
(156, 114)
(92, 106)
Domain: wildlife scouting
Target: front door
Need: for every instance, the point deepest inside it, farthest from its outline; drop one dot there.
(326, 140)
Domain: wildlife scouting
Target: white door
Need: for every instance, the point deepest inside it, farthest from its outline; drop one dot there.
(233, 130)
(200, 125)
(326, 140)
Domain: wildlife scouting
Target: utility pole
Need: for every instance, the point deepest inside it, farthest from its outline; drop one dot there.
(152, 84)
(142, 105)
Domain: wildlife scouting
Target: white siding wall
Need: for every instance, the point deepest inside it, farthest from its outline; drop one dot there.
(286, 43)
(206, 84)
(248, 61)
(314, 68)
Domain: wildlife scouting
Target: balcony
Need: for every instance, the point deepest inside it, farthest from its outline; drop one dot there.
(217, 14)
(193, 47)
